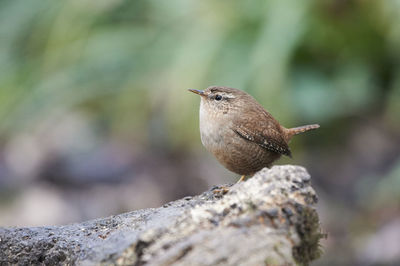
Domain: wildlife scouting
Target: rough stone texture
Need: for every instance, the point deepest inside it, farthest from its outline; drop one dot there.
(267, 220)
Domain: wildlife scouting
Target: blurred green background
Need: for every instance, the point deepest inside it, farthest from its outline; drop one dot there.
(95, 118)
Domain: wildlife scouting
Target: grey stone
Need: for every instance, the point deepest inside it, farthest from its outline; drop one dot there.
(262, 221)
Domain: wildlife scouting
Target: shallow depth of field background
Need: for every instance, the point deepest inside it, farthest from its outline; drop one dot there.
(95, 117)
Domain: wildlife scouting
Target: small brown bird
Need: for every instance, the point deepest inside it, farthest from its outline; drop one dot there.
(240, 133)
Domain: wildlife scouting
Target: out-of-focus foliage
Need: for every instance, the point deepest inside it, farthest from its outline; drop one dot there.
(95, 117)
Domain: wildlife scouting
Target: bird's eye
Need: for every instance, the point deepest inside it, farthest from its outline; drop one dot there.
(218, 97)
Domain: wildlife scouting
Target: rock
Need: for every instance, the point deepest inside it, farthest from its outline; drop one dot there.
(267, 220)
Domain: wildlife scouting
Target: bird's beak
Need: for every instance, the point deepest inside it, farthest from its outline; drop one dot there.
(199, 92)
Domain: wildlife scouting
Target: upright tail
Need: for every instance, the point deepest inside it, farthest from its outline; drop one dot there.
(297, 130)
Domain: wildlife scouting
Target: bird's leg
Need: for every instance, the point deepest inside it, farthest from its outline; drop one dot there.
(241, 179)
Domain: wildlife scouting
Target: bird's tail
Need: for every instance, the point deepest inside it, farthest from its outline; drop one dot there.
(297, 130)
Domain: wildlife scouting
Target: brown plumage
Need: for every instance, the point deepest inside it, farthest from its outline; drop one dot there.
(240, 133)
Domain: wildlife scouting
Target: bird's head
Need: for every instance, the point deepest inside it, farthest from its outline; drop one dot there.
(220, 99)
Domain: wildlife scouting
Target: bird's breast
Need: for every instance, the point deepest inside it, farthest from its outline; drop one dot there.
(212, 128)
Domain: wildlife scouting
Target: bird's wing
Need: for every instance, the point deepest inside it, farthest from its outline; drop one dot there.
(265, 131)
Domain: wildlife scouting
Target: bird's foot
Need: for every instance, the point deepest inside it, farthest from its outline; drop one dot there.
(221, 190)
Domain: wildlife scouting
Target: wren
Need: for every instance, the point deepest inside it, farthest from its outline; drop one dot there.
(240, 133)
